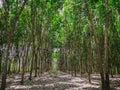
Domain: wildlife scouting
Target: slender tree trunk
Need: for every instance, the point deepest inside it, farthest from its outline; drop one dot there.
(4, 67)
(4, 73)
(75, 69)
(9, 66)
(24, 60)
(89, 57)
(36, 63)
(31, 68)
(96, 43)
(33, 14)
(41, 66)
(81, 69)
(0, 60)
(88, 69)
(19, 64)
(106, 66)
(23, 69)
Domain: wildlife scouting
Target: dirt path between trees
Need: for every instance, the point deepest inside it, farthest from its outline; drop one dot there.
(58, 81)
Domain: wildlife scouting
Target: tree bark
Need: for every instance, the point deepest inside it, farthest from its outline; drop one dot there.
(0, 60)
(106, 66)
(96, 43)
(36, 62)
(89, 58)
(4, 72)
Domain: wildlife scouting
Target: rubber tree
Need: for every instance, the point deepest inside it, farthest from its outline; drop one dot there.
(9, 31)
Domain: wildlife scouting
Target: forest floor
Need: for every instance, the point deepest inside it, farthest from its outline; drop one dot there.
(58, 81)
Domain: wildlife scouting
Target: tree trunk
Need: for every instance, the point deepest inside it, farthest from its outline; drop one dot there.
(23, 69)
(89, 57)
(96, 43)
(4, 72)
(31, 68)
(0, 60)
(106, 63)
(81, 65)
(36, 64)
(19, 64)
(9, 66)
(9, 35)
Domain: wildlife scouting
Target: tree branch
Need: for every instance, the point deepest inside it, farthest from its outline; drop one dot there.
(17, 17)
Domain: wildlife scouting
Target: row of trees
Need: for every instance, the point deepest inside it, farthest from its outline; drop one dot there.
(85, 31)
(26, 43)
(90, 45)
